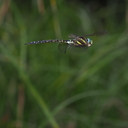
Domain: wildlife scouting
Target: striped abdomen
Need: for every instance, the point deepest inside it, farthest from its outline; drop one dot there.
(48, 41)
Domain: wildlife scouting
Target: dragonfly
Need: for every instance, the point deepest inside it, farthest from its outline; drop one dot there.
(75, 41)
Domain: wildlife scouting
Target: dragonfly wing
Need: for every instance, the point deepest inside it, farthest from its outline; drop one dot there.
(77, 49)
(99, 33)
(63, 47)
(104, 32)
(73, 36)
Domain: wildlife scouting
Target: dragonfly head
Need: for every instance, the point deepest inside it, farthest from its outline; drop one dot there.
(90, 42)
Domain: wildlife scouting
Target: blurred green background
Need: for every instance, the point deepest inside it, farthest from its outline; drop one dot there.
(41, 87)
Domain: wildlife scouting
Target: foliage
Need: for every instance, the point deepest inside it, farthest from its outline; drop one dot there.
(41, 87)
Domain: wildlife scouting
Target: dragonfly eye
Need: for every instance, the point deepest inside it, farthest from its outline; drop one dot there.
(89, 42)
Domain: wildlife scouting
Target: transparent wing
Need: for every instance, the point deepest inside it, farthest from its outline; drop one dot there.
(73, 36)
(63, 47)
(77, 49)
(99, 33)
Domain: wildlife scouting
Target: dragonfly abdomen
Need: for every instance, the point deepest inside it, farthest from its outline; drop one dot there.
(48, 41)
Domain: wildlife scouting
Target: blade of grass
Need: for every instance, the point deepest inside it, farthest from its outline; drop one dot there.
(98, 64)
(77, 97)
(55, 18)
(30, 87)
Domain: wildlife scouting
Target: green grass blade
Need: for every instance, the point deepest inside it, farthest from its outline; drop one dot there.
(30, 87)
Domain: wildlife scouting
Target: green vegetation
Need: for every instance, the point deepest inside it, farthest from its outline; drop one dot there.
(43, 88)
